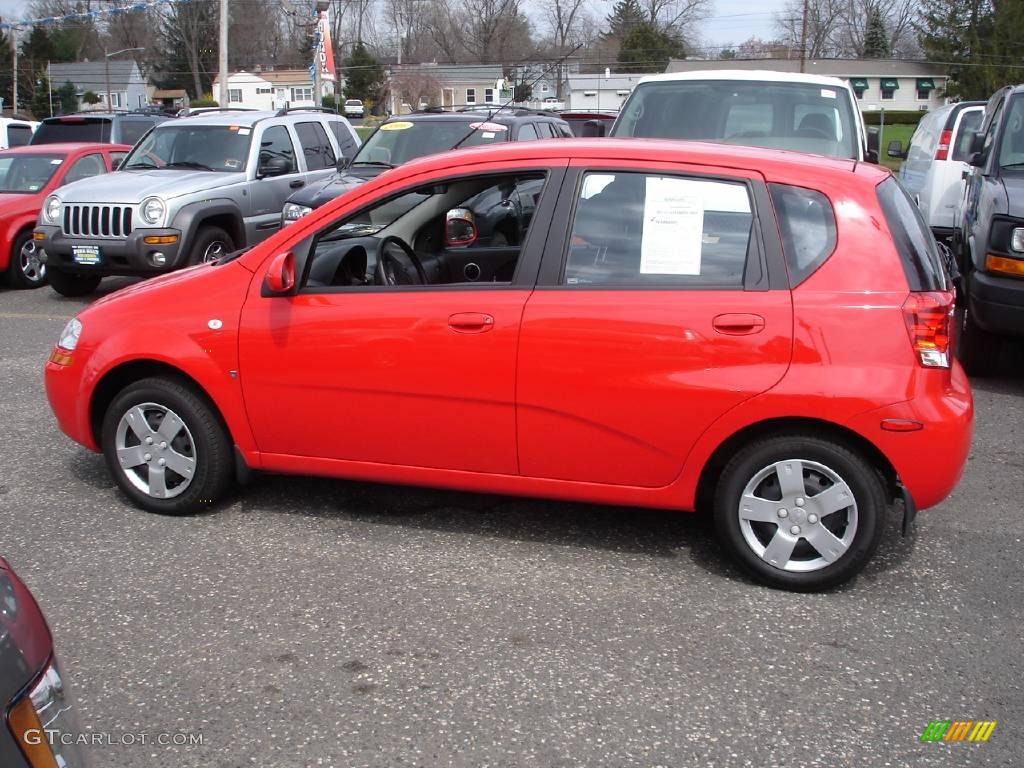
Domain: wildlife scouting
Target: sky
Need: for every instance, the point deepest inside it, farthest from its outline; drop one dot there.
(734, 20)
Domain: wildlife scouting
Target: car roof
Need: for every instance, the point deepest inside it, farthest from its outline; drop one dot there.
(250, 119)
(101, 116)
(757, 75)
(67, 147)
(494, 116)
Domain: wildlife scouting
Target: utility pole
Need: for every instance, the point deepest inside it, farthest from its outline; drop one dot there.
(14, 71)
(803, 38)
(222, 96)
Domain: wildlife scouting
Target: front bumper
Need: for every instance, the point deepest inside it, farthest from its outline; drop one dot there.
(997, 303)
(128, 256)
(63, 384)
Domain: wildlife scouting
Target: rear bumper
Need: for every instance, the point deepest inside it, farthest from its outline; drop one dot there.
(997, 303)
(929, 461)
(129, 256)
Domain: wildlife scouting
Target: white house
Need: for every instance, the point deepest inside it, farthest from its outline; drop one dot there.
(273, 89)
(606, 91)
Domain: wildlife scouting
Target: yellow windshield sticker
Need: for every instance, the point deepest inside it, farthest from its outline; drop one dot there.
(400, 125)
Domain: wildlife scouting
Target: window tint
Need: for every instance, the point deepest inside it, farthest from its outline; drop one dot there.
(277, 143)
(638, 229)
(527, 133)
(18, 135)
(85, 167)
(315, 146)
(63, 129)
(912, 238)
(130, 131)
(343, 135)
(970, 123)
(808, 227)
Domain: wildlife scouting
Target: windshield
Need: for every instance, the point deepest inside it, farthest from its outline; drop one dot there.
(72, 129)
(403, 140)
(800, 116)
(222, 148)
(1011, 145)
(25, 174)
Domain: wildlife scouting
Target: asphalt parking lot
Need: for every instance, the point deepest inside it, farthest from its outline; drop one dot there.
(325, 623)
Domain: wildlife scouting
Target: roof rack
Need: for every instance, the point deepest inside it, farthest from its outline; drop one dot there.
(431, 111)
(208, 110)
(286, 110)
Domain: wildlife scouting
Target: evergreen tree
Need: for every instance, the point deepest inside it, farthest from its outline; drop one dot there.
(41, 98)
(876, 39)
(626, 15)
(6, 91)
(363, 75)
(978, 45)
(645, 48)
(65, 99)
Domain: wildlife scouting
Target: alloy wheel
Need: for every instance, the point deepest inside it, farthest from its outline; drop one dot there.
(155, 450)
(30, 264)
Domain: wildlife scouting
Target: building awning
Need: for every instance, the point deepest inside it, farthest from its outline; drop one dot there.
(859, 83)
(925, 84)
(890, 83)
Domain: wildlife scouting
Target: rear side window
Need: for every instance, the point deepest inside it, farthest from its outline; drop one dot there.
(132, 130)
(72, 129)
(343, 135)
(808, 227)
(315, 146)
(18, 135)
(912, 238)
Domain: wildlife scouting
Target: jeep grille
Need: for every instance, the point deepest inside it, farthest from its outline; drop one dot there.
(97, 220)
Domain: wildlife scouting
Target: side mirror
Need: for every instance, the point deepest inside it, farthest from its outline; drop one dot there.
(895, 149)
(977, 143)
(874, 139)
(273, 166)
(115, 164)
(594, 129)
(343, 163)
(280, 279)
(459, 228)
(977, 160)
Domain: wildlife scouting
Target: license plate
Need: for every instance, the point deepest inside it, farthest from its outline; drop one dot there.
(86, 254)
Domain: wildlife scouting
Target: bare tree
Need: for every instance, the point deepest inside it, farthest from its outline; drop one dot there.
(676, 16)
(826, 27)
(569, 24)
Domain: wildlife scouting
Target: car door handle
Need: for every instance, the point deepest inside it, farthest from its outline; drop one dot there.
(296, 183)
(738, 324)
(470, 322)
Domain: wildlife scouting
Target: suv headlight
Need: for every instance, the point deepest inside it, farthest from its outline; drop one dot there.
(1017, 239)
(152, 210)
(51, 209)
(293, 212)
(44, 723)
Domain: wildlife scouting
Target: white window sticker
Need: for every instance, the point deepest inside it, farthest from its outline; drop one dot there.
(828, 94)
(673, 228)
(244, 131)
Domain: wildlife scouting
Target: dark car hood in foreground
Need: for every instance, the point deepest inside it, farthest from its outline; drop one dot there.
(334, 186)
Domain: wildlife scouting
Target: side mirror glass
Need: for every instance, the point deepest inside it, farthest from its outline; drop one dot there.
(977, 143)
(459, 228)
(977, 160)
(895, 149)
(115, 164)
(874, 140)
(594, 129)
(280, 278)
(274, 166)
(343, 163)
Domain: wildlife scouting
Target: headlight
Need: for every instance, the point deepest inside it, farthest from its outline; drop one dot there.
(44, 724)
(51, 209)
(1017, 239)
(153, 210)
(69, 336)
(293, 212)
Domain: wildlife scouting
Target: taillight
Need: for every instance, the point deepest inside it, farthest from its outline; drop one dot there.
(942, 151)
(929, 318)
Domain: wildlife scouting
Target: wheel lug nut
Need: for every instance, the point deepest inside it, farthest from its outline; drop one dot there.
(812, 518)
(162, 462)
(795, 530)
(799, 502)
(149, 441)
(163, 445)
(148, 456)
(783, 513)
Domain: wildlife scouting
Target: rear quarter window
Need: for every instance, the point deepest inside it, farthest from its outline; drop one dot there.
(808, 227)
(912, 238)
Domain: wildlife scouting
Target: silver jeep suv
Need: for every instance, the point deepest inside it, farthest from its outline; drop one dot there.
(190, 191)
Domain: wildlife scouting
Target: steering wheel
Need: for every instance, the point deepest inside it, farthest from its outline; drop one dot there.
(389, 269)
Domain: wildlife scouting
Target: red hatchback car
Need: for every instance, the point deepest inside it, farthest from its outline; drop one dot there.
(762, 330)
(27, 175)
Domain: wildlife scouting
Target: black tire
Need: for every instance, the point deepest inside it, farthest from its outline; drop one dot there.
(209, 238)
(72, 285)
(867, 512)
(20, 275)
(977, 349)
(206, 443)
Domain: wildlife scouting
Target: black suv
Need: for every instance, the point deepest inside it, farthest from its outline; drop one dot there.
(989, 240)
(103, 127)
(405, 137)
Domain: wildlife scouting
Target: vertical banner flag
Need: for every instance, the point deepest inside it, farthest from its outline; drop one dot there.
(325, 51)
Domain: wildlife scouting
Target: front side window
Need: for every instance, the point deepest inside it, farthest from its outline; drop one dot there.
(1011, 145)
(316, 147)
(276, 149)
(467, 230)
(223, 148)
(635, 229)
(400, 141)
(25, 174)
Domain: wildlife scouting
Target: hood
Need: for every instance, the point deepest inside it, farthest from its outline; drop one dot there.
(131, 187)
(1013, 186)
(335, 186)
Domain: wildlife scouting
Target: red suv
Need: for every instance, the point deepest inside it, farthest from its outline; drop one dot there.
(765, 331)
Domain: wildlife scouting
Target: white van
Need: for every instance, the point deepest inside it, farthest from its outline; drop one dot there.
(935, 162)
(16, 133)
(783, 110)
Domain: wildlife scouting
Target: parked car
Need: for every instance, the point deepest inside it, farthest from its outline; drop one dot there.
(989, 241)
(935, 163)
(578, 119)
(784, 110)
(27, 176)
(407, 137)
(15, 133)
(675, 327)
(40, 727)
(111, 127)
(193, 190)
(353, 108)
